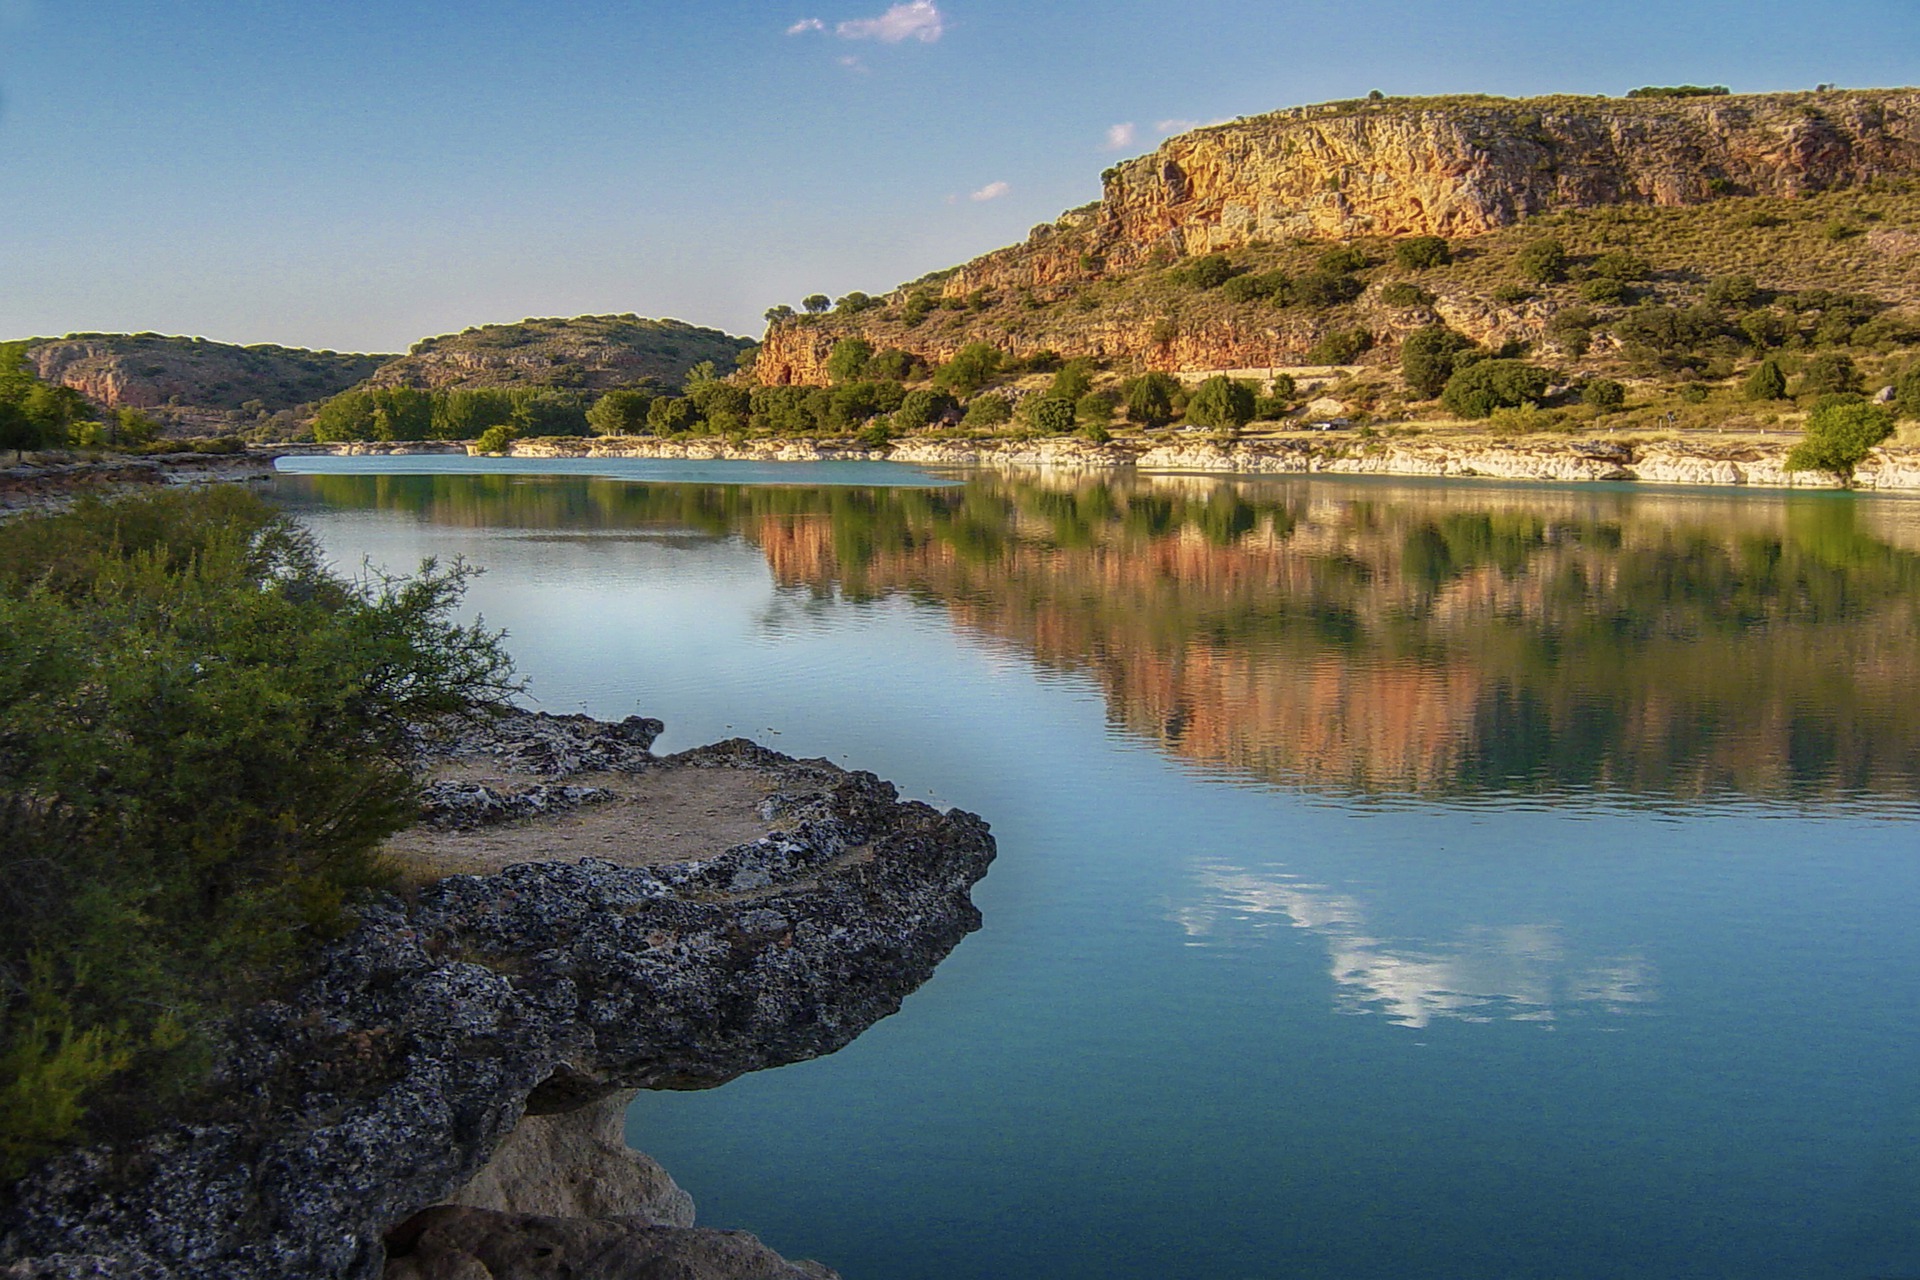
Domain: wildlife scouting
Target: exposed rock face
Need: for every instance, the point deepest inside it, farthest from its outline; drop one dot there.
(388, 1081)
(577, 1164)
(1455, 167)
(453, 1243)
(594, 352)
(147, 371)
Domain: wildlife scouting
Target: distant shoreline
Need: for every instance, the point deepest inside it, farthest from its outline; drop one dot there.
(1703, 462)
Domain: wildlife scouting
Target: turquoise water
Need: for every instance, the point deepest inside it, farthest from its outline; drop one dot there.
(1394, 880)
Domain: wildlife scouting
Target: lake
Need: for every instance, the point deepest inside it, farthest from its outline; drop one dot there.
(1396, 879)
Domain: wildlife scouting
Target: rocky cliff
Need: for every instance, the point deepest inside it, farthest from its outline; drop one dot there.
(387, 1083)
(590, 352)
(1453, 167)
(148, 371)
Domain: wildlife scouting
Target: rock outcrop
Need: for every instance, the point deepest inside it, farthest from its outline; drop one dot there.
(148, 371)
(1452, 167)
(586, 352)
(391, 1078)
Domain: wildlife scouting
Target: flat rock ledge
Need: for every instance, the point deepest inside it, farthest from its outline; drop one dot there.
(358, 1111)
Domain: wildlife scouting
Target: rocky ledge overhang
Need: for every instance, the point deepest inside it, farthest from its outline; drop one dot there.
(391, 1076)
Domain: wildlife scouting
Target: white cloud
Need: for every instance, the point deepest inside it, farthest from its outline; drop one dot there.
(805, 25)
(1119, 136)
(1176, 126)
(851, 63)
(992, 191)
(919, 20)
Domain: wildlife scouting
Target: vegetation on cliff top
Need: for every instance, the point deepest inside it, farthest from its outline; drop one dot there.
(581, 353)
(204, 735)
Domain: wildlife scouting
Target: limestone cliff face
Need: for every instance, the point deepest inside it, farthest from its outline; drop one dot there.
(1450, 167)
(587, 352)
(147, 371)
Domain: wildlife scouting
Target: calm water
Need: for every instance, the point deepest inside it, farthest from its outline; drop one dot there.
(1396, 880)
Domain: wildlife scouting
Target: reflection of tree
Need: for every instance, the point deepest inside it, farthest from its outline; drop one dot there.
(1364, 636)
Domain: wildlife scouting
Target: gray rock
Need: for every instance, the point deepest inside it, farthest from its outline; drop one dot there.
(577, 1164)
(458, 1243)
(388, 1080)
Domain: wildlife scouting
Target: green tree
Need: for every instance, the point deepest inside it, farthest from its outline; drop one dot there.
(775, 314)
(848, 359)
(1480, 388)
(923, 408)
(1839, 436)
(1767, 381)
(1221, 402)
(498, 438)
(1211, 271)
(619, 413)
(1831, 373)
(1339, 346)
(1542, 262)
(18, 432)
(1906, 393)
(1074, 380)
(1733, 293)
(988, 411)
(1150, 399)
(1095, 409)
(1050, 415)
(672, 416)
(1417, 253)
(1604, 394)
(1427, 359)
(854, 303)
(815, 303)
(971, 368)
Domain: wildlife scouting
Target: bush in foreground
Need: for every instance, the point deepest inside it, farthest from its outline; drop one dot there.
(203, 740)
(1840, 434)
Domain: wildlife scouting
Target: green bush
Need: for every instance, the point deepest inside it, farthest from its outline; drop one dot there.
(1766, 382)
(1906, 393)
(1074, 380)
(1324, 289)
(1347, 257)
(1839, 436)
(1405, 293)
(1417, 253)
(1480, 388)
(921, 409)
(971, 368)
(496, 439)
(1050, 415)
(1733, 293)
(672, 416)
(1604, 394)
(894, 365)
(1339, 346)
(1509, 294)
(204, 737)
(1150, 399)
(1604, 291)
(988, 411)
(1542, 262)
(848, 359)
(1221, 401)
(1427, 359)
(1095, 409)
(1831, 373)
(619, 413)
(1210, 272)
(1620, 265)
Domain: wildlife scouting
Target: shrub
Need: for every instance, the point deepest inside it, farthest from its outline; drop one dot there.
(1251, 288)
(1509, 294)
(1420, 252)
(971, 368)
(1542, 262)
(207, 736)
(1074, 380)
(916, 308)
(1604, 290)
(619, 413)
(1405, 293)
(1324, 289)
(1478, 389)
(1427, 359)
(1733, 293)
(1830, 373)
(1096, 408)
(1906, 393)
(1620, 265)
(1839, 436)
(1282, 387)
(1211, 271)
(1679, 91)
(848, 359)
(1347, 257)
(988, 411)
(1695, 393)
(1050, 415)
(1150, 399)
(1604, 394)
(854, 303)
(672, 416)
(1766, 382)
(1220, 401)
(496, 439)
(1096, 432)
(921, 409)
(894, 365)
(1339, 346)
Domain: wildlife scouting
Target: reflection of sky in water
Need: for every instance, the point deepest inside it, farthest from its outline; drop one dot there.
(1521, 972)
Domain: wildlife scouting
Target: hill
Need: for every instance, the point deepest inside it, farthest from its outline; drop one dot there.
(1799, 191)
(592, 353)
(149, 371)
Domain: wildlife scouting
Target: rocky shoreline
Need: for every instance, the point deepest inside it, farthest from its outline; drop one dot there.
(1673, 462)
(39, 484)
(441, 1098)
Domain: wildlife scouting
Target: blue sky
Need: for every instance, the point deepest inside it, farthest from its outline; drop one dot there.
(360, 175)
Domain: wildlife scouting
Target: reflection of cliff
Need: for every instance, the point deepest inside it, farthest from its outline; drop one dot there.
(1373, 641)
(1370, 637)
(1523, 972)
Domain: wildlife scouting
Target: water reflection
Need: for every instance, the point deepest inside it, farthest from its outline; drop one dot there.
(1365, 638)
(1521, 972)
